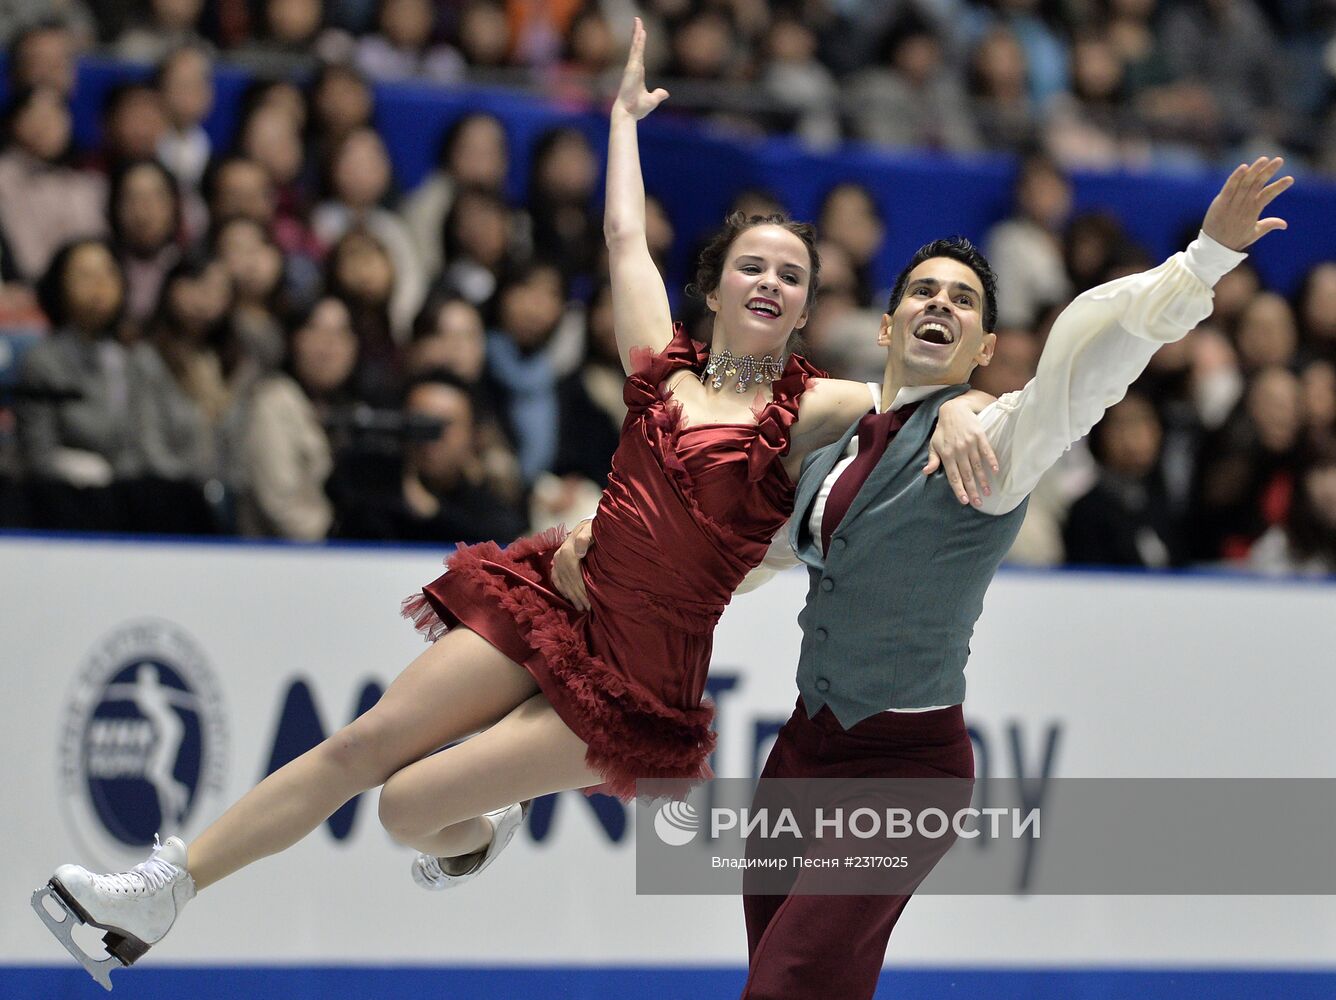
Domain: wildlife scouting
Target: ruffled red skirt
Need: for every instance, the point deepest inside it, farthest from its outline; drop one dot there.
(506, 596)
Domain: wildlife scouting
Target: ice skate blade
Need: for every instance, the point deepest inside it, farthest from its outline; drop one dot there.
(63, 930)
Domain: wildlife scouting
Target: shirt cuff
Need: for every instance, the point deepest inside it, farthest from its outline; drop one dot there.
(1210, 260)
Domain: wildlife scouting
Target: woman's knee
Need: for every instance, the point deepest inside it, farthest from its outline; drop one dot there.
(400, 811)
(366, 749)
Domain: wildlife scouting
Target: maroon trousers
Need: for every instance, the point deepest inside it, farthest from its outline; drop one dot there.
(824, 946)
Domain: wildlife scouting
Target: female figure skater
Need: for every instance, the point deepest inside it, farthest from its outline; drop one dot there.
(562, 698)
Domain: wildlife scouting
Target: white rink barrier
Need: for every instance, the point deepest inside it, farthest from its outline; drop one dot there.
(158, 680)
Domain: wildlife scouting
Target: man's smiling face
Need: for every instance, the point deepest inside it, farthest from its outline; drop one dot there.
(935, 335)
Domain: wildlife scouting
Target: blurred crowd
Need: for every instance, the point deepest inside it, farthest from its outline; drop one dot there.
(268, 337)
(1095, 83)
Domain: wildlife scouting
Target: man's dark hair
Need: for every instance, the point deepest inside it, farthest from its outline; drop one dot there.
(954, 248)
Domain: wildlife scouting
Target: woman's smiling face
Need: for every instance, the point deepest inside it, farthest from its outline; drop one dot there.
(762, 293)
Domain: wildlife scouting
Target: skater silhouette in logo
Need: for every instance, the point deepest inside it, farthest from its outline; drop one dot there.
(158, 703)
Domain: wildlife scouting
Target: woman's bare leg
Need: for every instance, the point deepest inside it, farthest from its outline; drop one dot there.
(459, 685)
(433, 804)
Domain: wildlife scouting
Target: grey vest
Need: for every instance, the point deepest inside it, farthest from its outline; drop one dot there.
(891, 607)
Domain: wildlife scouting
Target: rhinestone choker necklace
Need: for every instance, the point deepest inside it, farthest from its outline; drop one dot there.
(748, 369)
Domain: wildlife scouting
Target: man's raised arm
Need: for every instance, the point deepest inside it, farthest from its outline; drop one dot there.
(1104, 339)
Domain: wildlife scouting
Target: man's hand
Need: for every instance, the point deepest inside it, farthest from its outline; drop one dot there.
(960, 447)
(1235, 216)
(632, 97)
(566, 575)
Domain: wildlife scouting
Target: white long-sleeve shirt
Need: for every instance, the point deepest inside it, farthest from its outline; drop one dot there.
(1098, 346)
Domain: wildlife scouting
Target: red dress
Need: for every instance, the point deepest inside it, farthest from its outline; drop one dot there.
(688, 511)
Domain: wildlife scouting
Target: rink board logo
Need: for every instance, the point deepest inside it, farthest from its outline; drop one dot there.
(143, 743)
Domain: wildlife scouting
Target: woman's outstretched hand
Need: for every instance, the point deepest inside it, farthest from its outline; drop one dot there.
(632, 97)
(960, 447)
(566, 575)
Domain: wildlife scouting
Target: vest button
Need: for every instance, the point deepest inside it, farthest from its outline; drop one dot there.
(827, 585)
(820, 635)
(822, 684)
(839, 544)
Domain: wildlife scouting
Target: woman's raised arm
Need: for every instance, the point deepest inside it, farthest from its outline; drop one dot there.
(640, 312)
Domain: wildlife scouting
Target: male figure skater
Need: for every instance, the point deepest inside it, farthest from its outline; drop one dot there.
(898, 572)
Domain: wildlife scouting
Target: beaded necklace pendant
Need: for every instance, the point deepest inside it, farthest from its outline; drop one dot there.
(747, 369)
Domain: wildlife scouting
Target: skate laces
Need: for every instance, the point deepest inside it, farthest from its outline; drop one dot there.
(146, 876)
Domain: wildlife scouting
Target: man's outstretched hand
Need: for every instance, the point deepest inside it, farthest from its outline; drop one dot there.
(1235, 216)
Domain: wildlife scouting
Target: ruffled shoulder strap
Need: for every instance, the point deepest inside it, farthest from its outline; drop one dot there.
(774, 419)
(649, 368)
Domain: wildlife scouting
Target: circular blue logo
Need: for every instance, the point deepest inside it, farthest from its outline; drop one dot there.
(144, 739)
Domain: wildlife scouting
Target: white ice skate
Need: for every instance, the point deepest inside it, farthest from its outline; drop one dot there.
(427, 870)
(136, 908)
